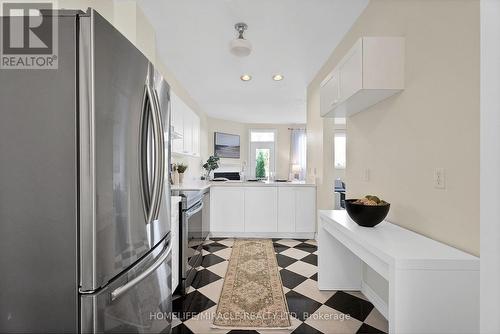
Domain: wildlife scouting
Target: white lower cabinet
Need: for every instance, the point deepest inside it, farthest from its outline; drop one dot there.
(261, 209)
(297, 209)
(305, 209)
(286, 209)
(227, 209)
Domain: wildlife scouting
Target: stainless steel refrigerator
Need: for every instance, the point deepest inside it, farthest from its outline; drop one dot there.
(84, 188)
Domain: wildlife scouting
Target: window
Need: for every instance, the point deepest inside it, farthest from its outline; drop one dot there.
(339, 149)
(261, 155)
(261, 136)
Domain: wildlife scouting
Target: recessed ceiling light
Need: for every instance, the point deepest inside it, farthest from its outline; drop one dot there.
(246, 77)
(277, 77)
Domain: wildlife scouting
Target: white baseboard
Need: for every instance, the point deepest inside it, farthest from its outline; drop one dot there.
(338, 288)
(284, 235)
(375, 299)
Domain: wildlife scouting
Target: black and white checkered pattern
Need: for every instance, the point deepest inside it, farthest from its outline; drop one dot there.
(313, 311)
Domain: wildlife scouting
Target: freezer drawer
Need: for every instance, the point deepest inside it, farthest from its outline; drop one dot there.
(137, 301)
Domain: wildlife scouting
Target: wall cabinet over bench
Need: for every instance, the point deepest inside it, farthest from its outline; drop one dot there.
(371, 71)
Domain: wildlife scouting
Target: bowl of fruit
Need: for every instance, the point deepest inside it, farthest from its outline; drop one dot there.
(367, 211)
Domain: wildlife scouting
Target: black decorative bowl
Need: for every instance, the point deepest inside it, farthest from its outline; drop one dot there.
(366, 215)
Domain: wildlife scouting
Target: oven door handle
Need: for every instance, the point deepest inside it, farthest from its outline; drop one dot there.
(194, 210)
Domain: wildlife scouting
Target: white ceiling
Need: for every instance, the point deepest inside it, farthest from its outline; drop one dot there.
(290, 37)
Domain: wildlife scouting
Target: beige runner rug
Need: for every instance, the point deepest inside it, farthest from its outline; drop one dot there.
(252, 295)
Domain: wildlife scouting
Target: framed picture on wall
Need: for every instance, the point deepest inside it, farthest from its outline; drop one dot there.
(226, 145)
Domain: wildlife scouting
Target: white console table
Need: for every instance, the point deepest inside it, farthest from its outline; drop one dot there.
(433, 288)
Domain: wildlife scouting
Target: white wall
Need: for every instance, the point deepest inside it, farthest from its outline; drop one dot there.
(236, 128)
(433, 123)
(490, 166)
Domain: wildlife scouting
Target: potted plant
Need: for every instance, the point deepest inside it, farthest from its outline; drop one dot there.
(211, 164)
(181, 168)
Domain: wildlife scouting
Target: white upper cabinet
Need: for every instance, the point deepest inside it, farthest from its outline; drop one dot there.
(370, 72)
(196, 136)
(330, 92)
(185, 128)
(351, 72)
(177, 124)
(188, 133)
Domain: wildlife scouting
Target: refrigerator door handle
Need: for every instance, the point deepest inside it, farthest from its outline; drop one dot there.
(151, 199)
(160, 155)
(116, 293)
(143, 154)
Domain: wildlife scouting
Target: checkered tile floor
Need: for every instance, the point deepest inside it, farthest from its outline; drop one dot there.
(312, 311)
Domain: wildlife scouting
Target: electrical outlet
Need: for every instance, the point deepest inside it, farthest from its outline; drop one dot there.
(439, 178)
(366, 175)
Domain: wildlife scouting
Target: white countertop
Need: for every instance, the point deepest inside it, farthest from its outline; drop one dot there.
(202, 185)
(396, 244)
(194, 185)
(175, 199)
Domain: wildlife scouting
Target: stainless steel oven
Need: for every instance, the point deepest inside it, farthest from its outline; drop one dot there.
(193, 232)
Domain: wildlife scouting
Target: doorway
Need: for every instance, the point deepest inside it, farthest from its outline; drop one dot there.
(262, 153)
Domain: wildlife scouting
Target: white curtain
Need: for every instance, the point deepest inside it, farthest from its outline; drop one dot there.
(298, 149)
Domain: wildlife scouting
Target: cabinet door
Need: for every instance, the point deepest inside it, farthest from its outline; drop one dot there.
(227, 209)
(261, 209)
(286, 209)
(305, 209)
(329, 94)
(351, 72)
(188, 132)
(177, 123)
(196, 135)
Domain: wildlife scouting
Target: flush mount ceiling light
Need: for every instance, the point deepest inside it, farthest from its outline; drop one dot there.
(246, 77)
(239, 46)
(278, 77)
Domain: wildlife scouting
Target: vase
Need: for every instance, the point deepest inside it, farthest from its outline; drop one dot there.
(181, 178)
(175, 177)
